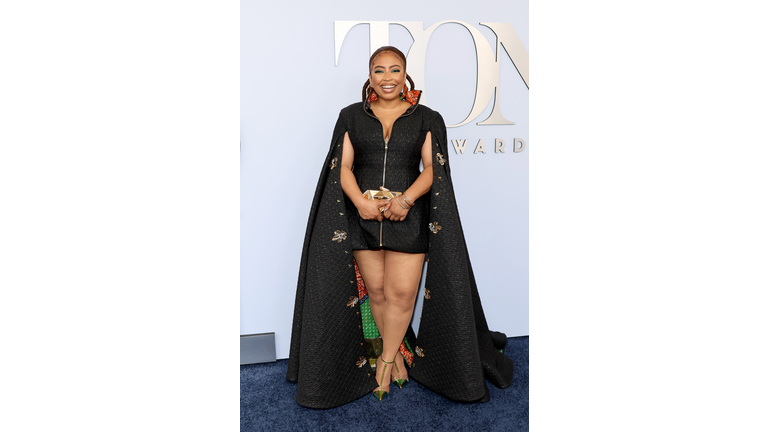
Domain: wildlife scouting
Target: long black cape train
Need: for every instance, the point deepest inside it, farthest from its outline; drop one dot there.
(455, 350)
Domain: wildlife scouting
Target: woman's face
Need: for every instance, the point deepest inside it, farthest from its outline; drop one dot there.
(387, 76)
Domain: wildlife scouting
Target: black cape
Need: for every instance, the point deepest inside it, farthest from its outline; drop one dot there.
(455, 351)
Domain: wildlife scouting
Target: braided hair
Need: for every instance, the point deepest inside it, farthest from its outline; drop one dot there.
(376, 54)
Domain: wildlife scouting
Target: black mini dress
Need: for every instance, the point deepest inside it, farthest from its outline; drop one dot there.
(395, 165)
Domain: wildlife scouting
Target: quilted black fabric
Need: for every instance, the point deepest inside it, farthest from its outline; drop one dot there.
(403, 157)
(455, 351)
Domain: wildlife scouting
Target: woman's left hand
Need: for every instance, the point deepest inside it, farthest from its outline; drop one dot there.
(394, 211)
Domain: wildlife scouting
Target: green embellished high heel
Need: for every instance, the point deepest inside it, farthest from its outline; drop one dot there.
(380, 393)
(400, 381)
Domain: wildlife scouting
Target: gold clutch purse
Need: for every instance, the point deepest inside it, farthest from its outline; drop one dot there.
(381, 194)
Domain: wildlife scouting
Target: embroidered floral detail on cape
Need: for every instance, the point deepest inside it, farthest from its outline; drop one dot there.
(338, 236)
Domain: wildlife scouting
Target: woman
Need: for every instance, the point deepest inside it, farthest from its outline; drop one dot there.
(336, 353)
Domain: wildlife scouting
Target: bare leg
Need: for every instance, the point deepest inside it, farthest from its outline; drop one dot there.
(402, 272)
(371, 266)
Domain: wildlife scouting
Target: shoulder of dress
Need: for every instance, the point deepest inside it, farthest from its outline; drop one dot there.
(425, 109)
(352, 109)
(431, 117)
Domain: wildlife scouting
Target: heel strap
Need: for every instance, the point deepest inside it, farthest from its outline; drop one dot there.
(384, 371)
(386, 363)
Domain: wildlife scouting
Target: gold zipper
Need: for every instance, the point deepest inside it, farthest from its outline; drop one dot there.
(384, 171)
(381, 232)
(383, 179)
(386, 147)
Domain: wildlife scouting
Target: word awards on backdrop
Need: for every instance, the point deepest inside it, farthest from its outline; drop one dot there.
(459, 145)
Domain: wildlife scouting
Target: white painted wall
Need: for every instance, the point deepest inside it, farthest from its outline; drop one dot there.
(288, 77)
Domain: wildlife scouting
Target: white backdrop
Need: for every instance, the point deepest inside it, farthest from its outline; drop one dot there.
(288, 77)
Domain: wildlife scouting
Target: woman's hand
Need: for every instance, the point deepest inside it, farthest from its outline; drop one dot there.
(394, 211)
(370, 209)
(397, 208)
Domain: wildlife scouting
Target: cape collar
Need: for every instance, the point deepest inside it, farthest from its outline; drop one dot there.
(412, 96)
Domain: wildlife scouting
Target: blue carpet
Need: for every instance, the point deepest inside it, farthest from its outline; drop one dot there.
(267, 403)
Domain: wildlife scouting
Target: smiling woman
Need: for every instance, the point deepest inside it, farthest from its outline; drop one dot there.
(374, 218)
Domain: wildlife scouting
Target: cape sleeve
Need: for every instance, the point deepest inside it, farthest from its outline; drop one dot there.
(327, 336)
(453, 331)
(329, 166)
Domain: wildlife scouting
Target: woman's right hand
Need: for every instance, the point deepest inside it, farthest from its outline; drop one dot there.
(370, 209)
